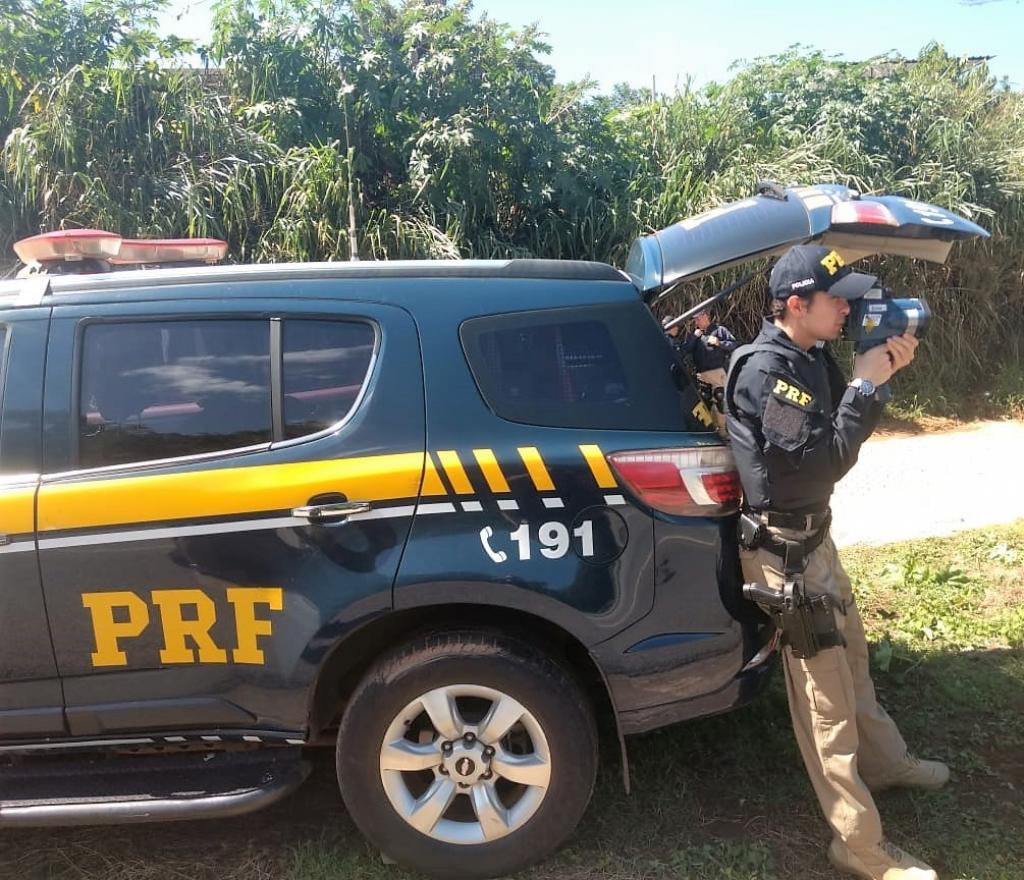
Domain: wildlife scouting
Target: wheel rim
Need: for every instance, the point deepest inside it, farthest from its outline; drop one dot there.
(465, 764)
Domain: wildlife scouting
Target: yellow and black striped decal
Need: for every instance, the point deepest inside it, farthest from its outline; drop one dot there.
(112, 509)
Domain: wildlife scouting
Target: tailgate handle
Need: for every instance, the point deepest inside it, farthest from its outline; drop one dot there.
(324, 513)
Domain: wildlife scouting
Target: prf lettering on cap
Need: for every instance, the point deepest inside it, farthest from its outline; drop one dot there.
(832, 262)
(119, 616)
(792, 393)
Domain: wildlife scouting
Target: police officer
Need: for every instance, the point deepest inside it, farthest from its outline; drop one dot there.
(710, 345)
(671, 330)
(796, 427)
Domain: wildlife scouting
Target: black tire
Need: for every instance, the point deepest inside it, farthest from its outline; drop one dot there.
(490, 660)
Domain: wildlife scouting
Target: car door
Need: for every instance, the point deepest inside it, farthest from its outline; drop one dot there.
(31, 703)
(202, 458)
(520, 421)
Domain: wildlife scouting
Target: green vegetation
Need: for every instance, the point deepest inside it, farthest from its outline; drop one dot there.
(450, 137)
(723, 798)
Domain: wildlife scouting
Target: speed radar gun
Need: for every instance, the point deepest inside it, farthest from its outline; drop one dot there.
(879, 314)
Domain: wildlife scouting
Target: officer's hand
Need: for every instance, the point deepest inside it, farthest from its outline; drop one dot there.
(698, 332)
(901, 350)
(873, 365)
(713, 341)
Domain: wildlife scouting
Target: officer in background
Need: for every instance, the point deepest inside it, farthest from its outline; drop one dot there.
(796, 427)
(709, 346)
(671, 332)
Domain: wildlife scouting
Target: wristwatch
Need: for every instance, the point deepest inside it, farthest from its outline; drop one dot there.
(864, 387)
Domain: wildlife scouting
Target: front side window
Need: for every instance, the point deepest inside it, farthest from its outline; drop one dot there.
(153, 390)
(324, 366)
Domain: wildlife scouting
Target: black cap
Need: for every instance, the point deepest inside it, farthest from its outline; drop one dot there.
(807, 267)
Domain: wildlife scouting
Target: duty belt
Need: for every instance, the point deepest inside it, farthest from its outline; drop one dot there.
(806, 620)
(754, 533)
(784, 520)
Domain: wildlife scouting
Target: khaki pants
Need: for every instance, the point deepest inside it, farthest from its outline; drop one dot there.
(839, 726)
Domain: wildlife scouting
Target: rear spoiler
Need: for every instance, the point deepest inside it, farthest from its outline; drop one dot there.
(775, 219)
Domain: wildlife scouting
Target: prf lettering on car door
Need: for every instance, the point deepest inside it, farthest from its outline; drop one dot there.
(119, 616)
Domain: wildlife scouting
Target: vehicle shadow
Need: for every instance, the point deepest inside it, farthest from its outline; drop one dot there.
(722, 797)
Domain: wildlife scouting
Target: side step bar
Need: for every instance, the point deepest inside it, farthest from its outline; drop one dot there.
(146, 788)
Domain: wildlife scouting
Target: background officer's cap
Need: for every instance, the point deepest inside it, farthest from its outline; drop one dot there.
(806, 268)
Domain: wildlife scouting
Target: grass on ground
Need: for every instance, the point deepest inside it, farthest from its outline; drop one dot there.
(723, 798)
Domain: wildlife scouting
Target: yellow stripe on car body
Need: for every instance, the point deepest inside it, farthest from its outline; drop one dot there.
(228, 491)
(452, 465)
(598, 466)
(492, 472)
(536, 469)
(16, 510)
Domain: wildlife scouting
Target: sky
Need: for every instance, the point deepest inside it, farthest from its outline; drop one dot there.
(668, 41)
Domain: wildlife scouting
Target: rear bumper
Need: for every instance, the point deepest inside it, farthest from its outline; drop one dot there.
(744, 688)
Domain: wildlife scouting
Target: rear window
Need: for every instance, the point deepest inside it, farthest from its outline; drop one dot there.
(325, 366)
(603, 367)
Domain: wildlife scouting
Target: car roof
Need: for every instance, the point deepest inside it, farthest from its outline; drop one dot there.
(579, 270)
(458, 288)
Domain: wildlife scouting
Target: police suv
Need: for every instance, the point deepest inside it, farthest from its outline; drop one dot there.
(450, 517)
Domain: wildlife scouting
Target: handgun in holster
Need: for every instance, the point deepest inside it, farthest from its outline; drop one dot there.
(807, 622)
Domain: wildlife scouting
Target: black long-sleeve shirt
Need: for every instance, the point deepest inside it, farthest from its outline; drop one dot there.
(795, 425)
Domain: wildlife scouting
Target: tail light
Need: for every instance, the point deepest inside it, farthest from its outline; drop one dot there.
(868, 213)
(698, 481)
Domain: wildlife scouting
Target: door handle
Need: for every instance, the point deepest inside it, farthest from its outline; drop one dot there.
(324, 513)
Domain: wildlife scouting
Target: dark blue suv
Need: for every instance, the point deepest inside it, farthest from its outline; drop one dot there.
(448, 517)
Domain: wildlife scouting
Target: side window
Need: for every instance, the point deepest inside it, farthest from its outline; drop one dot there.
(325, 364)
(565, 363)
(597, 367)
(161, 389)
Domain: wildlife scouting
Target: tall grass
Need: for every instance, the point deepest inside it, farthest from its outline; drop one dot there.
(456, 141)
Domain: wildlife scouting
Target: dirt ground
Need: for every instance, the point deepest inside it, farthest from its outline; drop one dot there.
(907, 486)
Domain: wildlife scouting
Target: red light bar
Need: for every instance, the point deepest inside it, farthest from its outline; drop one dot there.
(75, 245)
(68, 245)
(169, 250)
(870, 213)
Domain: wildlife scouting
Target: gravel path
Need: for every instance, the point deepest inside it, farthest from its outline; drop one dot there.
(931, 485)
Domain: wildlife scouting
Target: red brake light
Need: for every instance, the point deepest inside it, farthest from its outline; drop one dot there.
(871, 213)
(724, 488)
(698, 481)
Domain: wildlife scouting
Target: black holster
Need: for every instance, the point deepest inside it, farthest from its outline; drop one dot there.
(807, 620)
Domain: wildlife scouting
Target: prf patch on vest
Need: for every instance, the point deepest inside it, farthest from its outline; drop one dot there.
(786, 389)
(787, 414)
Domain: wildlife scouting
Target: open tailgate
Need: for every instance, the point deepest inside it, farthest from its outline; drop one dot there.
(771, 222)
